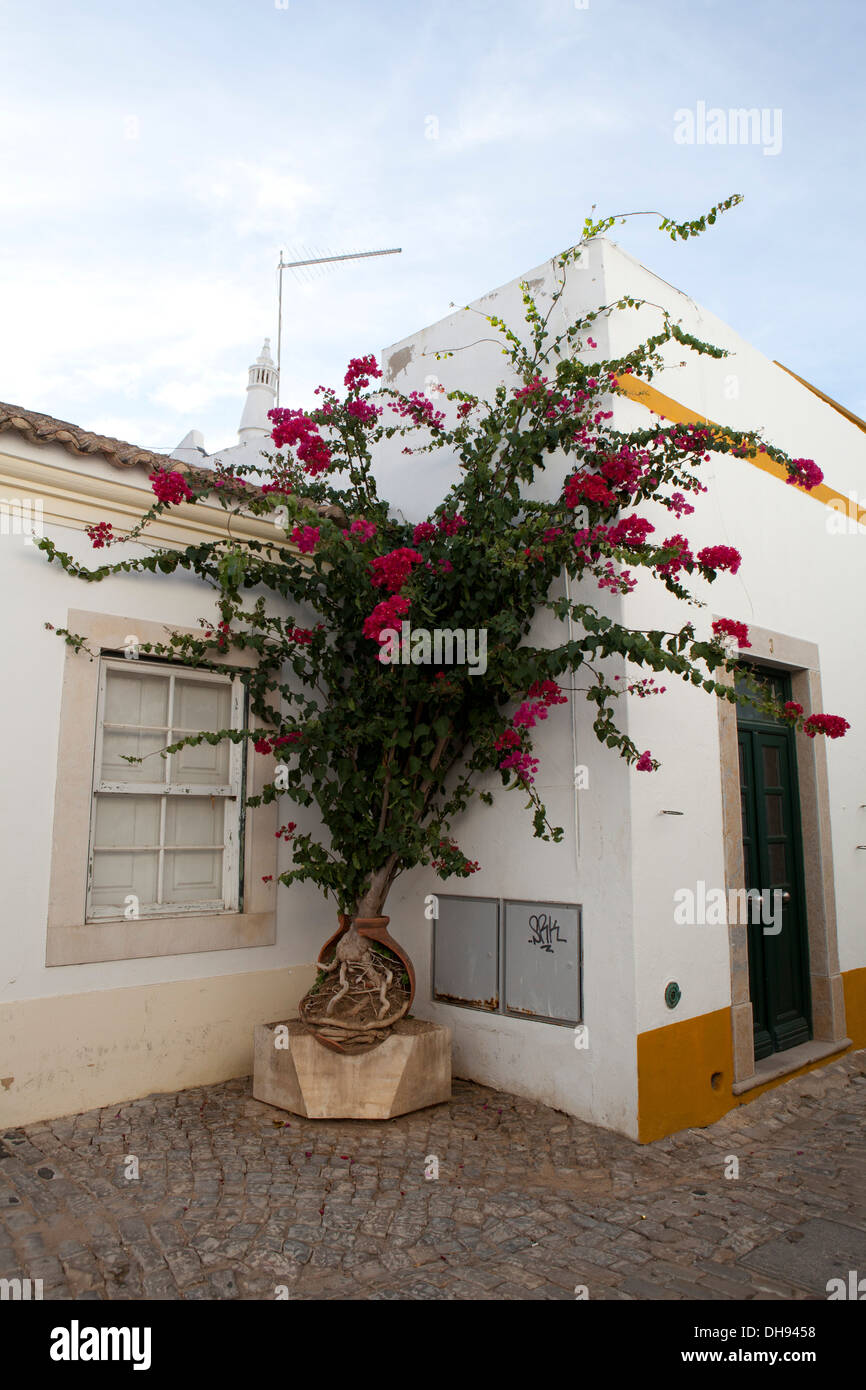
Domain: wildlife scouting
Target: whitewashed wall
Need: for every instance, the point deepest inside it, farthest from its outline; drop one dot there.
(798, 578)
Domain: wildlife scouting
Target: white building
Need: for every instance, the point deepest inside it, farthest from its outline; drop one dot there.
(633, 1019)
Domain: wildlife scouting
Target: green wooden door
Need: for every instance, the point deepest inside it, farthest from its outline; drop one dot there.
(772, 852)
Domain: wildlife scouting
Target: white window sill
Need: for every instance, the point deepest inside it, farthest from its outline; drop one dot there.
(159, 936)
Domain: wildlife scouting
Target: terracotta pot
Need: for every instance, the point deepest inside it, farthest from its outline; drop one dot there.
(375, 929)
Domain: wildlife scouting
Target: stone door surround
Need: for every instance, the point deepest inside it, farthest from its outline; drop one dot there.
(801, 661)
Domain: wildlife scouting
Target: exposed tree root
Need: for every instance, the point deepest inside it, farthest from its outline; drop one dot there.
(358, 997)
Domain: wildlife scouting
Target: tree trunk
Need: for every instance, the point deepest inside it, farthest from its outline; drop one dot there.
(373, 900)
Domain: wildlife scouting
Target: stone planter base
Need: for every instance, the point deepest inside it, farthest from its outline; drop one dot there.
(408, 1071)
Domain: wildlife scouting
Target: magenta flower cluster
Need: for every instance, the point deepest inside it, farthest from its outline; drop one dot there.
(295, 430)
(359, 372)
(169, 487)
(540, 696)
(386, 614)
(392, 571)
(420, 410)
(728, 627)
(306, 538)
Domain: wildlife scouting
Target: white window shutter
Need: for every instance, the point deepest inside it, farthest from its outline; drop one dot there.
(165, 833)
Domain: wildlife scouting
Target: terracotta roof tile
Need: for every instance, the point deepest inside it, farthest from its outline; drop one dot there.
(44, 429)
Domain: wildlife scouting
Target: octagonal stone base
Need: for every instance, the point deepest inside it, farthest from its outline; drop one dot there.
(408, 1071)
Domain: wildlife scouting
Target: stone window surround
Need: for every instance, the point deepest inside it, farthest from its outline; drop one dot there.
(71, 940)
(801, 661)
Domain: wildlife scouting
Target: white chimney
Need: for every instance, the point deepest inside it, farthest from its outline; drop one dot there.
(261, 397)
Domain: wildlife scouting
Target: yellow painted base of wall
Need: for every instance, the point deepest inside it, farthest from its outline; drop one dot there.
(676, 1066)
(854, 982)
(684, 1075)
(65, 1054)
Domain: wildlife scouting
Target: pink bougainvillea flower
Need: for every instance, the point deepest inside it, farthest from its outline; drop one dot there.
(509, 738)
(720, 557)
(392, 571)
(524, 765)
(285, 488)
(630, 531)
(223, 629)
(618, 581)
(678, 505)
(625, 468)
(359, 371)
(536, 385)
(528, 714)
(833, 725)
(645, 687)
(306, 538)
(587, 487)
(386, 614)
(100, 534)
(169, 487)
(294, 429)
(804, 473)
(420, 409)
(548, 692)
(727, 627)
(644, 762)
(683, 556)
(363, 411)
(450, 525)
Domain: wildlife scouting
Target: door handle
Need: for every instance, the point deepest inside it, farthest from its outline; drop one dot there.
(785, 897)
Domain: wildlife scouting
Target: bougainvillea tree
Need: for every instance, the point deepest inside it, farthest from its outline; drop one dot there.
(363, 723)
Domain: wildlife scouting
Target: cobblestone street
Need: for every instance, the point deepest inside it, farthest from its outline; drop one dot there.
(232, 1202)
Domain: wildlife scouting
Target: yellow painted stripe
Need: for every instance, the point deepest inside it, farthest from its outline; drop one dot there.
(643, 394)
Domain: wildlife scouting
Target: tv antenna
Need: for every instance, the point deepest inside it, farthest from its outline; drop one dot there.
(315, 260)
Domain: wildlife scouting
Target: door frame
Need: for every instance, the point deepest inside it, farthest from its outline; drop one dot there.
(800, 660)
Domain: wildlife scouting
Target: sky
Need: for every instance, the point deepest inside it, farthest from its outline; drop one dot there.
(155, 158)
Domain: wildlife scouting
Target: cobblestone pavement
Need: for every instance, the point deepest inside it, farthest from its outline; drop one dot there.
(234, 1203)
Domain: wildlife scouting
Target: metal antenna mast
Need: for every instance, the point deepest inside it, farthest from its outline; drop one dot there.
(315, 260)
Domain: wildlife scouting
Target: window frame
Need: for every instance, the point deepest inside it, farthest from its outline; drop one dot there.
(70, 938)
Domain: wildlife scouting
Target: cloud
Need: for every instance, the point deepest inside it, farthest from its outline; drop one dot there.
(189, 395)
(258, 197)
(520, 121)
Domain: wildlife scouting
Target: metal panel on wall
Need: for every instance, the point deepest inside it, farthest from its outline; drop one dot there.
(542, 951)
(466, 952)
